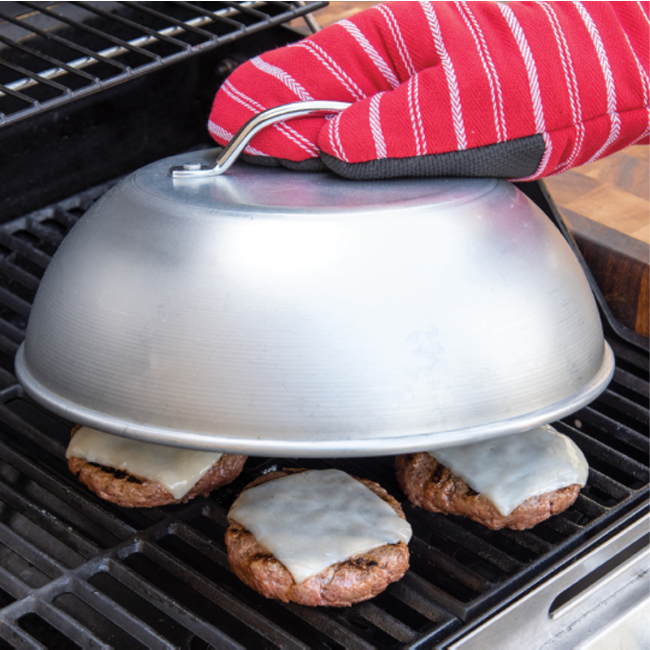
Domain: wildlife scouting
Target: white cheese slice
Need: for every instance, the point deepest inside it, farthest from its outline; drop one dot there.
(513, 468)
(314, 519)
(177, 470)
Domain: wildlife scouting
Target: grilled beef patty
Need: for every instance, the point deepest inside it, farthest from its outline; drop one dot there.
(430, 485)
(358, 578)
(130, 491)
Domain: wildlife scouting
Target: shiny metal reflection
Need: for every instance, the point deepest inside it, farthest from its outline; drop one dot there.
(270, 312)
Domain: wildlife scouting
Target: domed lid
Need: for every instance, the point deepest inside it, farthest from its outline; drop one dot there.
(276, 190)
(279, 313)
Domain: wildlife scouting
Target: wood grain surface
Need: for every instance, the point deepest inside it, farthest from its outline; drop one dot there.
(613, 191)
(606, 205)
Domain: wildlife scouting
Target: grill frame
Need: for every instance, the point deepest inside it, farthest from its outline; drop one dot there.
(69, 24)
(159, 577)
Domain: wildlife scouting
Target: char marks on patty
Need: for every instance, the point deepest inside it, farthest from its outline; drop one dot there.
(353, 580)
(128, 491)
(430, 485)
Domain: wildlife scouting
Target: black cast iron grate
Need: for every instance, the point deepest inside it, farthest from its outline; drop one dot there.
(78, 572)
(52, 53)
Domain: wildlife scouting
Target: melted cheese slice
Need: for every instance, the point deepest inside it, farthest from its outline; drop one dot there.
(511, 469)
(177, 470)
(317, 518)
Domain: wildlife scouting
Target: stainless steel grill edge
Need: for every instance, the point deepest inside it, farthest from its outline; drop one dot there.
(78, 572)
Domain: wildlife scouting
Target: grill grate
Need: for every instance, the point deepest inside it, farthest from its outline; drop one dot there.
(52, 53)
(75, 571)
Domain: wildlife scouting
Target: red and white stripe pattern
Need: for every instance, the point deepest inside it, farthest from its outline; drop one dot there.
(373, 55)
(415, 115)
(396, 33)
(333, 68)
(427, 78)
(255, 107)
(572, 89)
(375, 126)
(450, 75)
(285, 78)
(615, 127)
(491, 74)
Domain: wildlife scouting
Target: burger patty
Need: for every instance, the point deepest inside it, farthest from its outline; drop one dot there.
(130, 491)
(358, 578)
(430, 485)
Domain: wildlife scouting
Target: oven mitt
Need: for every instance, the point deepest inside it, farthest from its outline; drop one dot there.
(517, 90)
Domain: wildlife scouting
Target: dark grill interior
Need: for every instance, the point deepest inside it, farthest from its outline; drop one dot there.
(77, 572)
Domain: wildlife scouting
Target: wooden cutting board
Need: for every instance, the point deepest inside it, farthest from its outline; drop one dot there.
(606, 206)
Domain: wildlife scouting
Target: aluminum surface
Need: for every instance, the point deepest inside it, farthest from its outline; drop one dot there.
(271, 312)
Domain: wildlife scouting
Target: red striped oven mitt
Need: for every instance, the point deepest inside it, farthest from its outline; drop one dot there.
(518, 90)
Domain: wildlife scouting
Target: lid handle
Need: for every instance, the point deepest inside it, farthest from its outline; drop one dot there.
(276, 114)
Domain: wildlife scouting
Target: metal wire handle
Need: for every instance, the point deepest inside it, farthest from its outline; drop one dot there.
(228, 156)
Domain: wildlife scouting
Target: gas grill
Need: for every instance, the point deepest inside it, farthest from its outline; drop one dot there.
(92, 91)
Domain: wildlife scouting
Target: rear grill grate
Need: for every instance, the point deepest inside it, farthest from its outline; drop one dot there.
(75, 571)
(52, 53)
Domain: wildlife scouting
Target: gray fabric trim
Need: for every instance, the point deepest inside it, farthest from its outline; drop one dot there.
(311, 165)
(513, 159)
